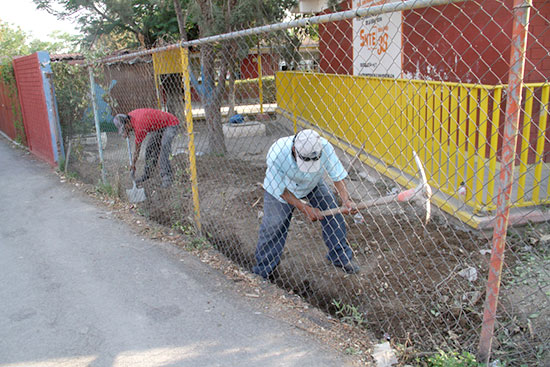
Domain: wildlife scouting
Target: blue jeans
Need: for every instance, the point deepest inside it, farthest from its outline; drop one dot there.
(158, 150)
(274, 229)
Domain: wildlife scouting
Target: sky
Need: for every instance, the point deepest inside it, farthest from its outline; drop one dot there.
(37, 23)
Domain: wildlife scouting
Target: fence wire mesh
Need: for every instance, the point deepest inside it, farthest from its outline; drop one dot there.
(429, 79)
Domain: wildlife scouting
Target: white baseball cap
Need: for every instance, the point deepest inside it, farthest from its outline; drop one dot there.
(308, 149)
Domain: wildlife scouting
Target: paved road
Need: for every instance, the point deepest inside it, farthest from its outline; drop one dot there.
(79, 288)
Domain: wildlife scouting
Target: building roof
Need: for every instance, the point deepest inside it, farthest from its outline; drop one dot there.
(74, 58)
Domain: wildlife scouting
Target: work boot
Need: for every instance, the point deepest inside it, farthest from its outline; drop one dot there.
(166, 182)
(350, 268)
(141, 180)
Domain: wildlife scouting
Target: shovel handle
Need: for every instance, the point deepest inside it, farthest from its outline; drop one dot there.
(132, 173)
(129, 150)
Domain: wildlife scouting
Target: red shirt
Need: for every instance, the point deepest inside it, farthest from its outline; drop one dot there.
(144, 120)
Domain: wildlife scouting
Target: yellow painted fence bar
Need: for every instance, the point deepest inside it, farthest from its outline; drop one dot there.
(453, 127)
(524, 146)
(497, 100)
(184, 53)
(541, 140)
(481, 167)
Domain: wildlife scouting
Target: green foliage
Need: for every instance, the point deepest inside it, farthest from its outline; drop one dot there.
(104, 188)
(72, 175)
(71, 89)
(61, 164)
(134, 23)
(141, 23)
(248, 89)
(219, 16)
(353, 351)
(7, 77)
(288, 47)
(453, 359)
(197, 243)
(61, 43)
(183, 228)
(253, 13)
(13, 41)
(348, 314)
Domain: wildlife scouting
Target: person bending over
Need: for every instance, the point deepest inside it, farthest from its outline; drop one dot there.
(162, 128)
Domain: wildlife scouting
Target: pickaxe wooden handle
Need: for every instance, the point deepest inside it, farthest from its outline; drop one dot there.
(423, 190)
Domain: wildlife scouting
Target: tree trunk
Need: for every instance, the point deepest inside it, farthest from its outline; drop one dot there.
(212, 102)
(181, 20)
(231, 93)
(216, 142)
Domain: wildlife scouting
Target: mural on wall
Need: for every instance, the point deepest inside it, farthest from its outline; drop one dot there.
(377, 42)
(105, 114)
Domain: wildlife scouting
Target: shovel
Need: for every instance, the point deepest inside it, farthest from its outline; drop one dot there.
(135, 194)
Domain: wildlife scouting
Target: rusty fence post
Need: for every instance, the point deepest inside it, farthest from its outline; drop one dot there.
(521, 10)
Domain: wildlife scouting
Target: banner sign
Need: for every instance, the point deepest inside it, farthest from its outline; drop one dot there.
(377, 42)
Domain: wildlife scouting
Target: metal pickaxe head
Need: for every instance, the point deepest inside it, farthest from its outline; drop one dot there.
(424, 191)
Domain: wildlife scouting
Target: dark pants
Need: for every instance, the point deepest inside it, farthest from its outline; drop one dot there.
(274, 230)
(159, 147)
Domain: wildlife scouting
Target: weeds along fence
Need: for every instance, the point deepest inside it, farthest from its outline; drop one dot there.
(454, 81)
(11, 123)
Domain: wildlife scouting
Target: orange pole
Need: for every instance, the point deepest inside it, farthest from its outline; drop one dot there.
(506, 177)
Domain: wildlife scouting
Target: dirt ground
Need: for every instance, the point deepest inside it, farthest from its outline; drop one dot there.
(414, 289)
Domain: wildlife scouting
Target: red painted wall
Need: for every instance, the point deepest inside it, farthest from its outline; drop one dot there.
(249, 66)
(537, 69)
(466, 42)
(33, 106)
(336, 45)
(461, 43)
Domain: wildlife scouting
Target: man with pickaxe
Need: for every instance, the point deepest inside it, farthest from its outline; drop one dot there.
(295, 168)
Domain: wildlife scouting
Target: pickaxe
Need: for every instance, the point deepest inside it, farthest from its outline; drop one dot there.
(423, 191)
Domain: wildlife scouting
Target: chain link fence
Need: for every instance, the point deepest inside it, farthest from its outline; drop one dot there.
(378, 81)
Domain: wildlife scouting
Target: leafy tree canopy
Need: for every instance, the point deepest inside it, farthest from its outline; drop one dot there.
(141, 23)
(221, 16)
(138, 23)
(15, 42)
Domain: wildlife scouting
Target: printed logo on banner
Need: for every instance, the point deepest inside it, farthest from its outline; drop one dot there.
(377, 42)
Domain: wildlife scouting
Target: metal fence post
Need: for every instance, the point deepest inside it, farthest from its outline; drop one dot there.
(513, 105)
(97, 129)
(294, 119)
(184, 53)
(260, 85)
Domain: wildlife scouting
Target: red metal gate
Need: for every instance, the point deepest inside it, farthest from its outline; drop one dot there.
(38, 106)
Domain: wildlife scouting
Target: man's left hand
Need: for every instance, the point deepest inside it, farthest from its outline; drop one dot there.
(349, 207)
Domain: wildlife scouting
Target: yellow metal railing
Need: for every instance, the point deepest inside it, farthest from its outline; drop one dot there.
(453, 127)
